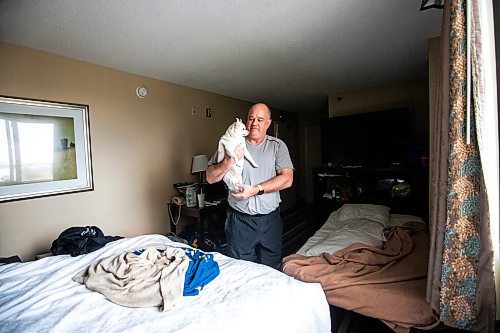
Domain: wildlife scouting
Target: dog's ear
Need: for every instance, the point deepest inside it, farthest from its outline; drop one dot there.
(232, 128)
(238, 120)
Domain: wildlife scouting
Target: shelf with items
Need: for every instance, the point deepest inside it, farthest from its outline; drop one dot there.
(405, 190)
(332, 188)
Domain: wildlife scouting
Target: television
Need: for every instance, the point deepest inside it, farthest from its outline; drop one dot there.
(373, 139)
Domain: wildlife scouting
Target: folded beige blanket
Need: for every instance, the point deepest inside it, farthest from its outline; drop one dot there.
(152, 278)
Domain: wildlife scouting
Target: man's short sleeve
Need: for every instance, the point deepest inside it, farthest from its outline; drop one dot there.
(283, 160)
(213, 160)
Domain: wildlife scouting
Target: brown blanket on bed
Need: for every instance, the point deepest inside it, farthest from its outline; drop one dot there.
(386, 282)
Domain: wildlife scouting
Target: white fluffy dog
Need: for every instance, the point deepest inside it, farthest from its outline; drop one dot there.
(234, 136)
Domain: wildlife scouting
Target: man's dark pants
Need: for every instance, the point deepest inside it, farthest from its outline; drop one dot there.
(254, 237)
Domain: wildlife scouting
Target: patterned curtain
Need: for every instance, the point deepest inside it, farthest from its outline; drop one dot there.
(466, 249)
(458, 306)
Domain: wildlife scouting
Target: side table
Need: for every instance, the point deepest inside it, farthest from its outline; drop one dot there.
(203, 217)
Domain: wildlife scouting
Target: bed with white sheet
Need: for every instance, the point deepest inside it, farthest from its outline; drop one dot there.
(41, 296)
(354, 223)
(370, 262)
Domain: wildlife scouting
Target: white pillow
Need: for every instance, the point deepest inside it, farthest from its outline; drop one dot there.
(364, 231)
(364, 211)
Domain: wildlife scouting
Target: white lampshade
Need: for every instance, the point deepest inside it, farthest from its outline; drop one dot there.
(200, 163)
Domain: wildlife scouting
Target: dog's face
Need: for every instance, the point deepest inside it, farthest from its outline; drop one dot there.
(237, 129)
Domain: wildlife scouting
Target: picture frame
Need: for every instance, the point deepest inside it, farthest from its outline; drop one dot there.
(44, 148)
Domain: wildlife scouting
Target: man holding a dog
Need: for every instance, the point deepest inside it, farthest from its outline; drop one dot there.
(253, 225)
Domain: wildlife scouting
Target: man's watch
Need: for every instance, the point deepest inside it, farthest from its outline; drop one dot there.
(261, 189)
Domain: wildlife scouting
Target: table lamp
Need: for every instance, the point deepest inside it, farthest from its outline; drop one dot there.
(200, 163)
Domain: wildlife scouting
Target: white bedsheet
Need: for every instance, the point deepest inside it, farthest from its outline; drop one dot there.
(40, 296)
(336, 235)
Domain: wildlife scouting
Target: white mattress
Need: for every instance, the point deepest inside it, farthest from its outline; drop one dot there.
(336, 235)
(40, 296)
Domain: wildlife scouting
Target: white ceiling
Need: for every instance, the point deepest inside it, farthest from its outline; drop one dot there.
(288, 53)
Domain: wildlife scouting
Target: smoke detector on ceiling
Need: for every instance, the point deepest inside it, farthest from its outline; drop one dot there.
(141, 92)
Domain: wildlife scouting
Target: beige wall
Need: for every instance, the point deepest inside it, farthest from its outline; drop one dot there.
(375, 99)
(140, 147)
(412, 95)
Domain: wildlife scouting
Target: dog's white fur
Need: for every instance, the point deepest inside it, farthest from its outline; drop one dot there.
(234, 136)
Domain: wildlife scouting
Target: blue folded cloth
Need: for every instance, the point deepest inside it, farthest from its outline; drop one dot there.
(202, 269)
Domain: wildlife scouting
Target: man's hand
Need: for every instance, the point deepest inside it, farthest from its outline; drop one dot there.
(216, 172)
(246, 192)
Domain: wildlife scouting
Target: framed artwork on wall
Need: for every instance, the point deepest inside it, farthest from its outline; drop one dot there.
(44, 148)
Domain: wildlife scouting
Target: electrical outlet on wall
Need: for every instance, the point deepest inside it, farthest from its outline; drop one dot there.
(208, 112)
(193, 110)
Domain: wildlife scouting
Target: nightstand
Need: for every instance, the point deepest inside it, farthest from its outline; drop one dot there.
(206, 218)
